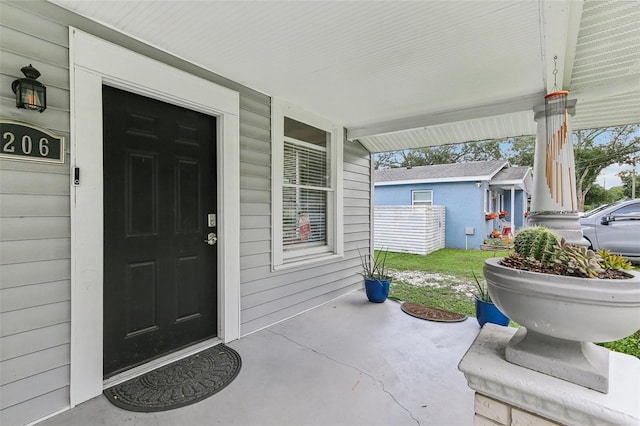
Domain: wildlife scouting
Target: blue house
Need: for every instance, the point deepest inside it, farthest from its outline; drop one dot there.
(470, 192)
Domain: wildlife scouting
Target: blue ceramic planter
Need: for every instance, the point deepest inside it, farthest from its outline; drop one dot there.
(377, 290)
(488, 312)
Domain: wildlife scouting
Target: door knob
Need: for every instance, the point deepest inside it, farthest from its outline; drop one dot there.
(211, 239)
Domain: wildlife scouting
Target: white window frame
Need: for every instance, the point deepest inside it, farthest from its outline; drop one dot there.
(491, 203)
(421, 203)
(335, 223)
(487, 201)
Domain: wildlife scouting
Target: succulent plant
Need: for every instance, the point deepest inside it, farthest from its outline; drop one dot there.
(579, 260)
(539, 249)
(537, 242)
(613, 261)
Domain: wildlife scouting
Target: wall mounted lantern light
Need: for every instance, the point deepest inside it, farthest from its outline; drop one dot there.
(30, 94)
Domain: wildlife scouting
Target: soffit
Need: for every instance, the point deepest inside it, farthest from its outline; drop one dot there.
(605, 75)
(404, 74)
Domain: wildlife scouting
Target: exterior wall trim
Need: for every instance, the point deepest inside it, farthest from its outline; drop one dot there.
(94, 62)
(434, 180)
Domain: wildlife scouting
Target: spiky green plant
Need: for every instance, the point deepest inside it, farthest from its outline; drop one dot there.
(373, 267)
(613, 261)
(579, 260)
(482, 292)
(537, 242)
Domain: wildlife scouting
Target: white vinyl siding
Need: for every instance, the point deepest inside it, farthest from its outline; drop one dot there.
(271, 296)
(35, 226)
(34, 231)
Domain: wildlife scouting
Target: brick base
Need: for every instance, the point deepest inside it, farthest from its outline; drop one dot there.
(491, 412)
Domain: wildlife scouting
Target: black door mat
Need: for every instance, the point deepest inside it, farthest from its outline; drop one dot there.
(432, 314)
(180, 383)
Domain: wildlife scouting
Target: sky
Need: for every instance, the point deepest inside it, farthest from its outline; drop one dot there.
(608, 179)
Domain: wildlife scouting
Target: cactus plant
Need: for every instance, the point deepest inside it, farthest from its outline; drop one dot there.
(540, 249)
(537, 242)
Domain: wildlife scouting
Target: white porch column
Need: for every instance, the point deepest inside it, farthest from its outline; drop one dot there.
(513, 209)
(554, 200)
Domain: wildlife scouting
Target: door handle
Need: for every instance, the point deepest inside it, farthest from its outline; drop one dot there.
(211, 239)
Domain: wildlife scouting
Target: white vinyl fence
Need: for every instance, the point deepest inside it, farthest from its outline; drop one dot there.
(409, 229)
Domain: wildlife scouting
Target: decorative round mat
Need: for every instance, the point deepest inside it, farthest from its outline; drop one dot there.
(432, 314)
(180, 383)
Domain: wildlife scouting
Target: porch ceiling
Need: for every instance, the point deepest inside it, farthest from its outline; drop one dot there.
(405, 74)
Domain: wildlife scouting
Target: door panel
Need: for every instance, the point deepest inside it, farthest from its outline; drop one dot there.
(159, 185)
(141, 176)
(140, 287)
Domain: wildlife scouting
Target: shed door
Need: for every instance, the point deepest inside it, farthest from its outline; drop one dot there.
(159, 188)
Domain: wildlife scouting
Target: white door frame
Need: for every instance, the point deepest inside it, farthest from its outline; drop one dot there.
(94, 62)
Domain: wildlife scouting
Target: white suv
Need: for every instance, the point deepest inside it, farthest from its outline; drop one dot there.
(615, 227)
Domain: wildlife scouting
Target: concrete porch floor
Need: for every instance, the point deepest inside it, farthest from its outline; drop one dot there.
(348, 362)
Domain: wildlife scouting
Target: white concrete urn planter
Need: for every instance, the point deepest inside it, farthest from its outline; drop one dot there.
(561, 316)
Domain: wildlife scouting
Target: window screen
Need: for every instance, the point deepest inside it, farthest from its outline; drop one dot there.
(305, 186)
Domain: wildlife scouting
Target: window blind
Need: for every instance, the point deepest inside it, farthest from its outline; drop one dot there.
(305, 187)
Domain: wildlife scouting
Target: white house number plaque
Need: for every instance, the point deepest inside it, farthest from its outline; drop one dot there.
(22, 141)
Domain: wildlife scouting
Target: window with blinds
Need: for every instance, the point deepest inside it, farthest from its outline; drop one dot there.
(305, 186)
(307, 205)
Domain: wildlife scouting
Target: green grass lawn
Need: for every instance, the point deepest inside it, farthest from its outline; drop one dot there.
(455, 265)
(442, 298)
(459, 263)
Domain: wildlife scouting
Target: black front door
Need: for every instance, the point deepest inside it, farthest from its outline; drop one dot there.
(159, 191)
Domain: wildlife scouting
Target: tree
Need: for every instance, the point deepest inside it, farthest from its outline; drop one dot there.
(627, 177)
(616, 193)
(441, 154)
(386, 160)
(520, 150)
(597, 196)
(596, 149)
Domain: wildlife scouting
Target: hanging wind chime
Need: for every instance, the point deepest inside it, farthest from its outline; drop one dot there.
(558, 167)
